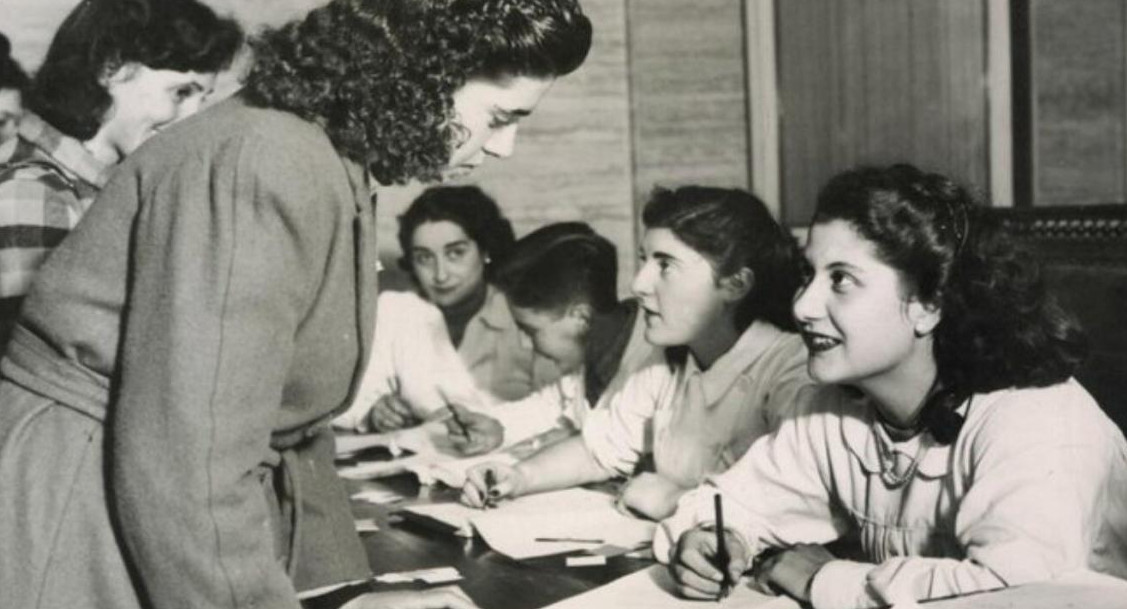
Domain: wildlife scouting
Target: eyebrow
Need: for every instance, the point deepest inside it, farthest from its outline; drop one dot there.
(458, 243)
(845, 266)
(509, 114)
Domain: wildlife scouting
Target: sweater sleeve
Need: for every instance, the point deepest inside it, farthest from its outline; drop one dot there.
(228, 252)
(618, 434)
(777, 494)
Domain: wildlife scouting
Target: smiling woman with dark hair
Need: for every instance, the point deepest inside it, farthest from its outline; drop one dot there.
(167, 390)
(116, 73)
(949, 438)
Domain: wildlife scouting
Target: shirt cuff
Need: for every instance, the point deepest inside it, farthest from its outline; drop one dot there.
(842, 584)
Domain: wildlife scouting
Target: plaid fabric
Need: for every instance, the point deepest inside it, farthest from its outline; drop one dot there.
(47, 182)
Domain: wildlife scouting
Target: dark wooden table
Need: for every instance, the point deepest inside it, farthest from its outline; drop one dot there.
(491, 579)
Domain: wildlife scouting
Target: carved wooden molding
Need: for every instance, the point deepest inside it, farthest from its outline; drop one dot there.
(1092, 234)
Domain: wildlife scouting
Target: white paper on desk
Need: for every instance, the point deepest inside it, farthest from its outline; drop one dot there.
(353, 443)
(460, 516)
(575, 513)
(653, 588)
(429, 442)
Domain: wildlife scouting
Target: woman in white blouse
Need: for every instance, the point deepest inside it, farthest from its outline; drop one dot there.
(953, 444)
(715, 285)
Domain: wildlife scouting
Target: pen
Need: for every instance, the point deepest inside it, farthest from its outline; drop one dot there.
(722, 558)
(490, 480)
(568, 540)
(461, 424)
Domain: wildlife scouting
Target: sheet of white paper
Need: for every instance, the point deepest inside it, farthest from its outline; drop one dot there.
(516, 511)
(429, 442)
(350, 444)
(571, 514)
(653, 588)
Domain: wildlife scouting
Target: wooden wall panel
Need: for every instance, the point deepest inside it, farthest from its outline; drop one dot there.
(874, 81)
(688, 93)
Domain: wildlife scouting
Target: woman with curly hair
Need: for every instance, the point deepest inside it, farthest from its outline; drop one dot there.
(167, 390)
(952, 442)
(117, 72)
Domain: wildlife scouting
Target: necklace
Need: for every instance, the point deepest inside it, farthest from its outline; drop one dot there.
(890, 474)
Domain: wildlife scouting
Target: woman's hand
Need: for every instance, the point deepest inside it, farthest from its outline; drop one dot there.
(473, 433)
(488, 482)
(693, 564)
(390, 412)
(650, 495)
(792, 570)
(449, 597)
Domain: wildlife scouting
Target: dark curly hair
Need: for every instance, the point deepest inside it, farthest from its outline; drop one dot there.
(12, 75)
(999, 326)
(468, 207)
(380, 75)
(733, 230)
(558, 265)
(101, 36)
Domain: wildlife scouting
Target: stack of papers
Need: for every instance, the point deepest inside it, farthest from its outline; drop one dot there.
(546, 523)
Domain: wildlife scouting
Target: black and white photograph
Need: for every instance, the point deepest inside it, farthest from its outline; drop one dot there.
(565, 304)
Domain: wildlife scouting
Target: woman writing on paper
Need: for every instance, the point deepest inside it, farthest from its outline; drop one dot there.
(714, 287)
(951, 440)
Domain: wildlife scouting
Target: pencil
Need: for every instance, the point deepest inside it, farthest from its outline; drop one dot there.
(568, 540)
(490, 480)
(721, 557)
(461, 424)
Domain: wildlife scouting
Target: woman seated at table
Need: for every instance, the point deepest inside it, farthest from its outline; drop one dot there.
(715, 286)
(954, 442)
(561, 285)
(452, 237)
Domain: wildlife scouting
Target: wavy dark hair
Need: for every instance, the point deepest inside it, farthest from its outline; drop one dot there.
(380, 75)
(558, 265)
(733, 229)
(999, 325)
(468, 207)
(101, 36)
(12, 75)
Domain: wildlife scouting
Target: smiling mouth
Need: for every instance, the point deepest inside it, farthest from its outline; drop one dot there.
(819, 343)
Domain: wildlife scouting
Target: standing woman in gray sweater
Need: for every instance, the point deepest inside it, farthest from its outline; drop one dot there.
(166, 395)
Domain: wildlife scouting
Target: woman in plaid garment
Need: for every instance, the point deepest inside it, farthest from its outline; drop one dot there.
(117, 72)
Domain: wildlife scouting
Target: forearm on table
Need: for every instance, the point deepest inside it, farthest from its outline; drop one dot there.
(561, 465)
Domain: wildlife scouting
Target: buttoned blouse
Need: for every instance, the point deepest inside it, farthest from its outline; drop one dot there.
(698, 422)
(1035, 485)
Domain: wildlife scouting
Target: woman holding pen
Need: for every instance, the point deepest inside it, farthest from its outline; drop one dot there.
(950, 437)
(714, 287)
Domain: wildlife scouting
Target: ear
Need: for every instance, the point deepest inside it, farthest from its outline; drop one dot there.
(924, 317)
(738, 285)
(114, 73)
(581, 313)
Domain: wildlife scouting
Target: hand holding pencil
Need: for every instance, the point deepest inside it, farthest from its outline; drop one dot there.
(490, 482)
(473, 433)
(708, 561)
